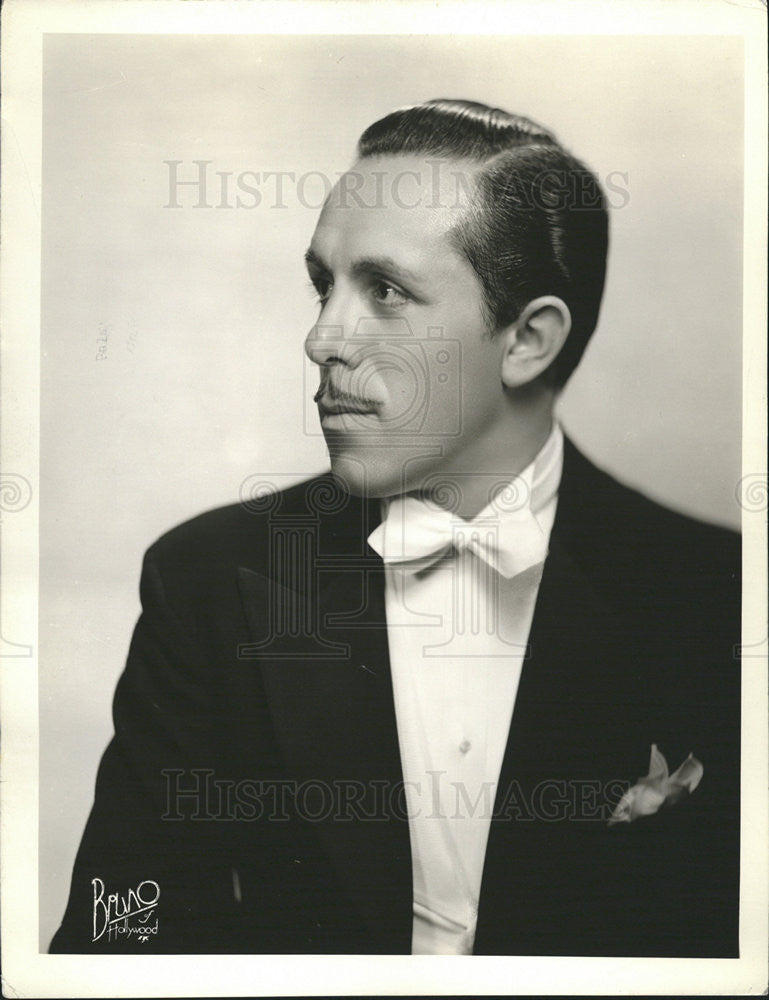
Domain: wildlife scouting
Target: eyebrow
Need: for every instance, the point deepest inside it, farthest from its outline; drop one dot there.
(367, 266)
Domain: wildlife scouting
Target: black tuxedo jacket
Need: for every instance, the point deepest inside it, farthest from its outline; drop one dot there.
(255, 773)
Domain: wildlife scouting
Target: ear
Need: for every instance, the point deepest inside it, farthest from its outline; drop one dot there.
(533, 341)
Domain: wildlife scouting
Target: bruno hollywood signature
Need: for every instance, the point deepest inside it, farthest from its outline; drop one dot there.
(129, 915)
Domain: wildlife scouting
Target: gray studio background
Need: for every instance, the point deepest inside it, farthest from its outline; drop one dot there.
(172, 338)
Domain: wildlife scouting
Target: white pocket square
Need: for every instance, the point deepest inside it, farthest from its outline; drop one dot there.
(658, 788)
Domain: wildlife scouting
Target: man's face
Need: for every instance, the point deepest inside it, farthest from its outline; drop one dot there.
(409, 380)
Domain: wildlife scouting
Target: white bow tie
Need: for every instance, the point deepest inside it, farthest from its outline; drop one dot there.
(417, 532)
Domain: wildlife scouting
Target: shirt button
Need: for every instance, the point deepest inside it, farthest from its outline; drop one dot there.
(464, 746)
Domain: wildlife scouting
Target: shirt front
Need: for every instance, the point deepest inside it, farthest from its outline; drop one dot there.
(457, 629)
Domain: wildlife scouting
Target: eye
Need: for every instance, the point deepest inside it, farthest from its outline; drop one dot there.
(321, 288)
(387, 294)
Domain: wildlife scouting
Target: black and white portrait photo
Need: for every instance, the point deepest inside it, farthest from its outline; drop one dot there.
(384, 500)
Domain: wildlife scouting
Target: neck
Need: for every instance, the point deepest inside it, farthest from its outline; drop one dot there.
(501, 452)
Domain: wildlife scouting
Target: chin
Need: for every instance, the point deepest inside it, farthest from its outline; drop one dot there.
(380, 471)
(363, 478)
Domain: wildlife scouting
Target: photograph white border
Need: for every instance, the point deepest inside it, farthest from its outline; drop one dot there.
(27, 972)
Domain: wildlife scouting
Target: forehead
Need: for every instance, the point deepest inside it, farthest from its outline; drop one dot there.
(400, 206)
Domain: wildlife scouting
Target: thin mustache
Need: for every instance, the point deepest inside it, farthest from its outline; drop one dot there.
(345, 398)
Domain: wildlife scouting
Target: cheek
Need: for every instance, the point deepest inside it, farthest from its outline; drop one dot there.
(481, 381)
(479, 371)
(404, 372)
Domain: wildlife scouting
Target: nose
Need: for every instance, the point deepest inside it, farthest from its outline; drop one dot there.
(325, 345)
(332, 339)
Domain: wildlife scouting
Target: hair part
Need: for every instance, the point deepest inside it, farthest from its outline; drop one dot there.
(537, 224)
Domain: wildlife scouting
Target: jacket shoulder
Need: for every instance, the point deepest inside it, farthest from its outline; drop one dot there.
(239, 532)
(612, 524)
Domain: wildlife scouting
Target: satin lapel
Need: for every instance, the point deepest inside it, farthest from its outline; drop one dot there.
(577, 643)
(575, 650)
(573, 717)
(330, 698)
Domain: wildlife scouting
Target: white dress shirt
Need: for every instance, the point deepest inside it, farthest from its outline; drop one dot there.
(458, 621)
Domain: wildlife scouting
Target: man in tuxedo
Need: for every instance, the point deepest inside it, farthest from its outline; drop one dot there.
(466, 694)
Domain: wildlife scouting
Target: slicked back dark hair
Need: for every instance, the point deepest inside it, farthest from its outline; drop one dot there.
(537, 223)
